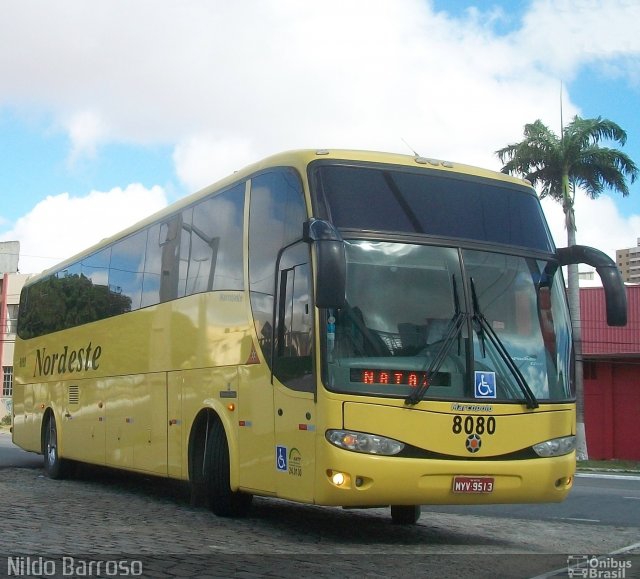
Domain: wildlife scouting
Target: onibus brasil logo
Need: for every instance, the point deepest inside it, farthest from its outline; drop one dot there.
(597, 567)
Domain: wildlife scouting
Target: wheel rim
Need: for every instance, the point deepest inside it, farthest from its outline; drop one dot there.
(52, 444)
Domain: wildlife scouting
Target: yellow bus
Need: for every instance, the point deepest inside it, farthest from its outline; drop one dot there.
(331, 327)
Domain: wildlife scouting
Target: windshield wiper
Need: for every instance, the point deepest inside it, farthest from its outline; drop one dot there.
(484, 327)
(451, 335)
(453, 330)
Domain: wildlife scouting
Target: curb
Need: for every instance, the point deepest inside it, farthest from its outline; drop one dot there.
(612, 471)
(608, 475)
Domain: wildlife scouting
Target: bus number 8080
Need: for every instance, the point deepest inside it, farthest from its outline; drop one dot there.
(473, 424)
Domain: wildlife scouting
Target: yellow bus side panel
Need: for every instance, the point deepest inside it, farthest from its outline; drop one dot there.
(26, 434)
(81, 419)
(136, 419)
(124, 390)
(295, 438)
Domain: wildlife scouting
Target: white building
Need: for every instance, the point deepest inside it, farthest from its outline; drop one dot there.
(628, 261)
(11, 284)
(10, 287)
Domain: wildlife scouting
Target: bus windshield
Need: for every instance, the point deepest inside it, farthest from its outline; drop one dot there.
(428, 203)
(460, 324)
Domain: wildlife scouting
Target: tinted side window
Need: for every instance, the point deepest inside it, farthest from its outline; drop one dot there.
(153, 272)
(167, 259)
(40, 310)
(276, 214)
(96, 267)
(198, 249)
(181, 254)
(66, 300)
(127, 266)
(215, 260)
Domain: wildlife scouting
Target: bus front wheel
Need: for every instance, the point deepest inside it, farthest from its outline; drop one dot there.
(54, 466)
(405, 514)
(223, 501)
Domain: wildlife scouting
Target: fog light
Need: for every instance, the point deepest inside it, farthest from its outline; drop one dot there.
(338, 479)
(564, 482)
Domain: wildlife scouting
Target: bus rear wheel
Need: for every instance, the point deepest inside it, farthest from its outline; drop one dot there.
(223, 501)
(54, 466)
(405, 514)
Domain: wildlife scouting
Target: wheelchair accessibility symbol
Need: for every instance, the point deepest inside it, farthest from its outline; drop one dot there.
(281, 458)
(485, 384)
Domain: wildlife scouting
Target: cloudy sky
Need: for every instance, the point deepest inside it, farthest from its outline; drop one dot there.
(109, 110)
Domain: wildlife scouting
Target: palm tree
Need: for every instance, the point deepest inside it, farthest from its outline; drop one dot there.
(557, 167)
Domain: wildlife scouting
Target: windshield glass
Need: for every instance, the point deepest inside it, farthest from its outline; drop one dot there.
(431, 203)
(450, 323)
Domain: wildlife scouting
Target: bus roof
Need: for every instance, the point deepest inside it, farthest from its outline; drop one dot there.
(298, 159)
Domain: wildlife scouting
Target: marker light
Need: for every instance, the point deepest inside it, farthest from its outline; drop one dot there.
(363, 442)
(556, 446)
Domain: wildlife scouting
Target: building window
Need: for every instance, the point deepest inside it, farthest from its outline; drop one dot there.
(7, 381)
(12, 318)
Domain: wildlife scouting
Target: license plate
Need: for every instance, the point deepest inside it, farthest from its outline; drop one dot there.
(473, 484)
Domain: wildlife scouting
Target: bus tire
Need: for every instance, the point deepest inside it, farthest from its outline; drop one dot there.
(54, 466)
(405, 514)
(222, 500)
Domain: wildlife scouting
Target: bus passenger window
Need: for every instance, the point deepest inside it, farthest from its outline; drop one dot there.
(126, 269)
(215, 260)
(96, 267)
(165, 268)
(276, 214)
(152, 265)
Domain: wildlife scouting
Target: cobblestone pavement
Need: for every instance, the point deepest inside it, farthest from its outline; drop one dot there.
(118, 516)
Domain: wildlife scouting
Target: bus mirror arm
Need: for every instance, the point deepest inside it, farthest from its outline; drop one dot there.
(331, 262)
(614, 290)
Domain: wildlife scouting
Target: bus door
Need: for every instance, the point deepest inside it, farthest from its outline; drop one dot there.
(293, 377)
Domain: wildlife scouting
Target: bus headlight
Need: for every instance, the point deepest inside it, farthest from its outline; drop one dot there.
(363, 442)
(556, 447)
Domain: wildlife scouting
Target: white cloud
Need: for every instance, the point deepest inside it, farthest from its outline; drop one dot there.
(263, 76)
(578, 32)
(60, 226)
(599, 224)
(86, 131)
(200, 160)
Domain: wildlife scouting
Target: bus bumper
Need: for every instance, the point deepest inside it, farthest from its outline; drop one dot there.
(353, 479)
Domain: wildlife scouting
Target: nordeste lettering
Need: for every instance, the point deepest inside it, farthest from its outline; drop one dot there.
(67, 361)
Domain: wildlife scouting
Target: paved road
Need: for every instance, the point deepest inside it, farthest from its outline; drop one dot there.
(130, 518)
(12, 456)
(596, 499)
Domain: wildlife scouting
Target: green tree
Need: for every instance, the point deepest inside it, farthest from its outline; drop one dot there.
(559, 166)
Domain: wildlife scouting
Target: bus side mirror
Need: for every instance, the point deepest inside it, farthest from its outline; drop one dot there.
(331, 262)
(614, 290)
